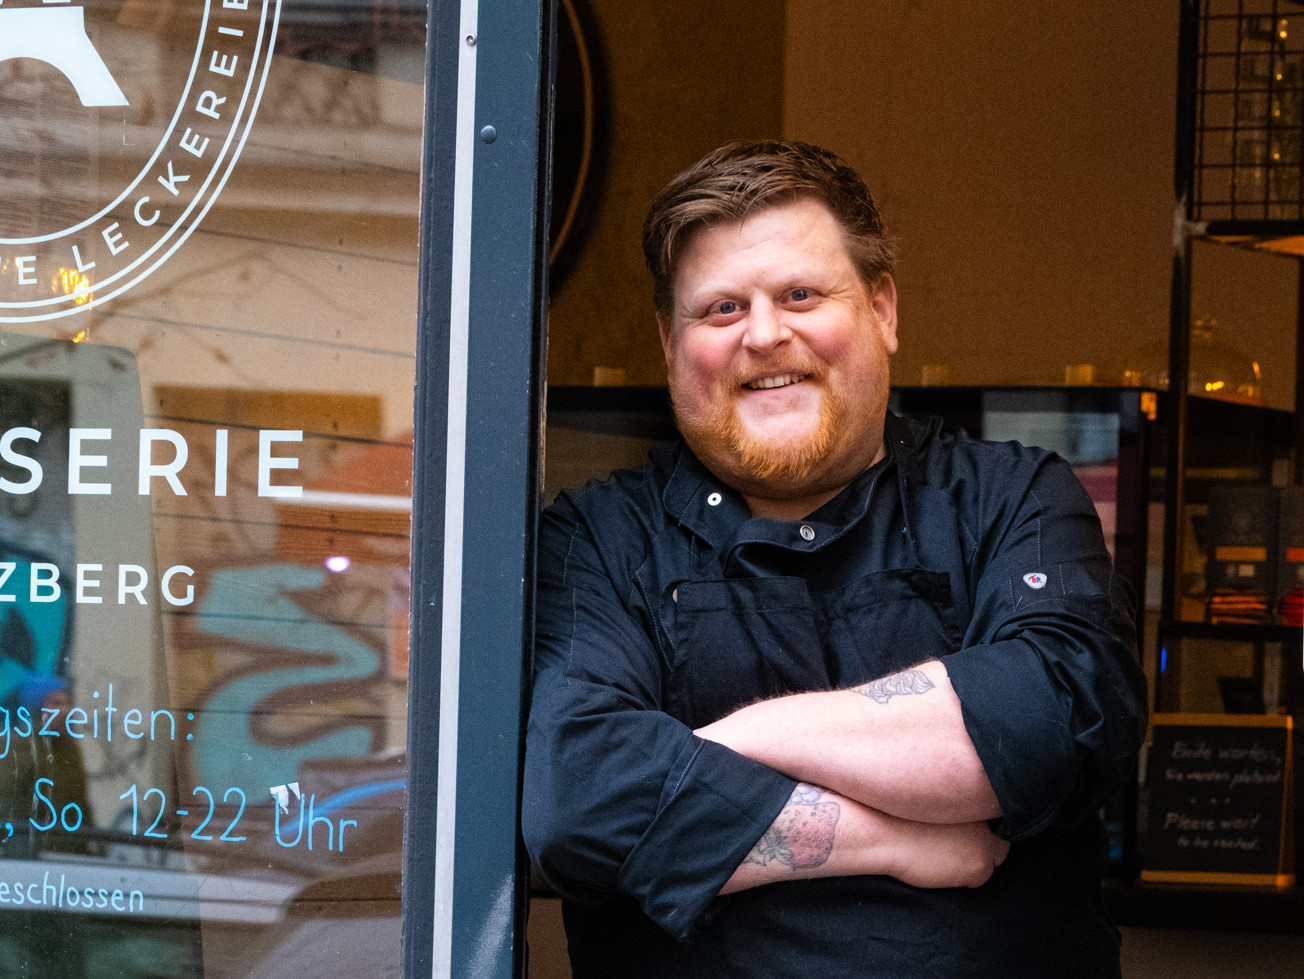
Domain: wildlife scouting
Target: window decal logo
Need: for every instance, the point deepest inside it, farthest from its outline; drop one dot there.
(119, 136)
(57, 36)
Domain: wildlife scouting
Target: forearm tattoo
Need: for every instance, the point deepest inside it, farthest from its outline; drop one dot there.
(802, 834)
(904, 684)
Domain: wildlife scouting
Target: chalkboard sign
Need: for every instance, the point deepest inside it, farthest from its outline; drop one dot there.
(1220, 790)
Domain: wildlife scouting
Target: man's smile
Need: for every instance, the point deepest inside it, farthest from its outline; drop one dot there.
(781, 381)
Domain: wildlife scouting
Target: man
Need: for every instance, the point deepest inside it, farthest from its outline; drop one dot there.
(819, 691)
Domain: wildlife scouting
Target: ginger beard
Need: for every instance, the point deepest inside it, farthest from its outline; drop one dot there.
(718, 436)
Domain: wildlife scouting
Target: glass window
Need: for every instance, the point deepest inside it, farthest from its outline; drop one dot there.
(208, 290)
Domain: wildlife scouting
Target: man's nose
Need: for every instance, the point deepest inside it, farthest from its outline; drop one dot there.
(765, 327)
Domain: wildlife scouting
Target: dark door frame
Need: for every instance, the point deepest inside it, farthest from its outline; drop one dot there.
(476, 482)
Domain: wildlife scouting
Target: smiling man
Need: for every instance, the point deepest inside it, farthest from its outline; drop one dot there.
(820, 691)
(778, 356)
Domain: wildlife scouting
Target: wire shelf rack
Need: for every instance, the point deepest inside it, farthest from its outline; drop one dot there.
(1249, 111)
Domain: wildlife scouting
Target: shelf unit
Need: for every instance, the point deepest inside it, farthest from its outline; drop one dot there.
(1221, 444)
(1239, 182)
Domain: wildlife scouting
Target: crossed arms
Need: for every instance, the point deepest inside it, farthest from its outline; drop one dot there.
(889, 784)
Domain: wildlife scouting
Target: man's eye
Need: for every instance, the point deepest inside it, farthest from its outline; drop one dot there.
(726, 308)
(799, 295)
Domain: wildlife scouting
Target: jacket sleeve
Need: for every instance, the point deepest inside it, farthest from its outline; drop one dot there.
(620, 797)
(1051, 691)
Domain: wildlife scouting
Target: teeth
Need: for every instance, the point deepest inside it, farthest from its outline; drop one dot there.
(775, 382)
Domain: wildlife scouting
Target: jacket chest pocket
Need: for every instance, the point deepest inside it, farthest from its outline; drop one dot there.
(738, 640)
(885, 622)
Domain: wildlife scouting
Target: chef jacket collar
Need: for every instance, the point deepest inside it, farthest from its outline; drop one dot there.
(717, 513)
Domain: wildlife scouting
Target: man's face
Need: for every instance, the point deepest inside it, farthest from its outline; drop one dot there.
(777, 354)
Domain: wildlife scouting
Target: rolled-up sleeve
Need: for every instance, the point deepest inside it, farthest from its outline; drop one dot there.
(619, 796)
(1051, 692)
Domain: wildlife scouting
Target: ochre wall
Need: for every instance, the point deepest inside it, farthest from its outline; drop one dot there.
(1021, 151)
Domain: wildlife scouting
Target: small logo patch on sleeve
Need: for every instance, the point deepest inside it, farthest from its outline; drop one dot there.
(1035, 579)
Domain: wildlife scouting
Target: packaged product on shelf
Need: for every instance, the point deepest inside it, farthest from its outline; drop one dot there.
(1242, 565)
(1290, 555)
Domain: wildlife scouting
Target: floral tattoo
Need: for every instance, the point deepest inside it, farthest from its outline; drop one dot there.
(802, 836)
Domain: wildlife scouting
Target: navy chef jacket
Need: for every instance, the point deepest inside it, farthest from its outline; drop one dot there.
(663, 605)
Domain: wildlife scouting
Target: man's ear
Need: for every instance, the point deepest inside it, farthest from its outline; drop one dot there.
(884, 304)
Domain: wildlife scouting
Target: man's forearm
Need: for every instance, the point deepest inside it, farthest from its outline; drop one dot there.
(822, 834)
(897, 745)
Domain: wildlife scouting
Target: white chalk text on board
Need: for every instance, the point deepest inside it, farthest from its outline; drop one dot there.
(1219, 799)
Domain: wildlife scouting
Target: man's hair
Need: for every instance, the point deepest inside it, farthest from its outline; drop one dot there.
(742, 178)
